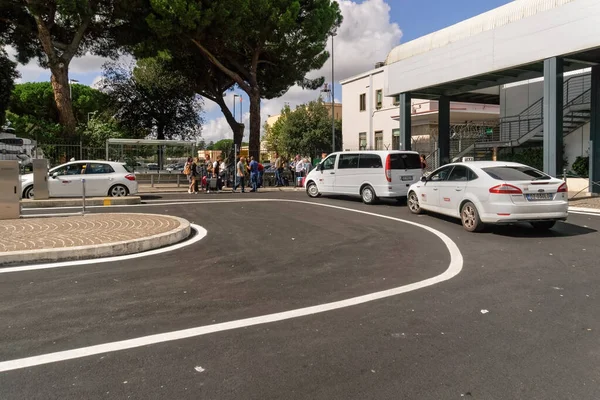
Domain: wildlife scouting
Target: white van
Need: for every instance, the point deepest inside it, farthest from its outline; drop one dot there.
(368, 174)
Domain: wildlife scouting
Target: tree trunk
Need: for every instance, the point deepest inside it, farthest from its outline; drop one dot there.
(236, 127)
(254, 145)
(62, 97)
(160, 135)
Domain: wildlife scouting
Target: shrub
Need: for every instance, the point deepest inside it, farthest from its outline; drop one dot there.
(581, 166)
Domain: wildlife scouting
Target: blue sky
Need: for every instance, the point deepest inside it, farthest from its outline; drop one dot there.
(370, 30)
(416, 21)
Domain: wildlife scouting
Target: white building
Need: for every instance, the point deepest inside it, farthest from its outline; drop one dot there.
(371, 120)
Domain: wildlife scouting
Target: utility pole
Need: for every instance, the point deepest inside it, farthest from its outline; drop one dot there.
(332, 95)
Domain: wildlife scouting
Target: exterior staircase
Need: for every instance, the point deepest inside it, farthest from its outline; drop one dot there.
(527, 126)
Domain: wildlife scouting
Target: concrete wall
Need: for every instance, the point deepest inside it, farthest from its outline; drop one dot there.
(516, 98)
(566, 29)
(577, 144)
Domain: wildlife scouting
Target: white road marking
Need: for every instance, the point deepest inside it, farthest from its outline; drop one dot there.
(456, 263)
(200, 234)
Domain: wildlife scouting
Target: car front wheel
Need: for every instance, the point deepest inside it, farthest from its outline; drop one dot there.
(28, 193)
(470, 218)
(118, 191)
(312, 190)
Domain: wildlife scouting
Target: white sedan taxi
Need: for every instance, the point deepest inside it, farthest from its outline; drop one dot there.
(102, 178)
(491, 192)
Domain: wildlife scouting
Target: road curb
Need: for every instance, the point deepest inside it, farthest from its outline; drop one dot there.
(585, 210)
(102, 250)
(78, 202)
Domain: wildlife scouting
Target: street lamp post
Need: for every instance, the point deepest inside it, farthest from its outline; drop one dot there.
(71, 81)
(332, 96)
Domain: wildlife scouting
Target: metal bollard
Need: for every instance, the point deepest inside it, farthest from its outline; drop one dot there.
(178, 180)
(564, 174)
(151, 180)
(83, 196)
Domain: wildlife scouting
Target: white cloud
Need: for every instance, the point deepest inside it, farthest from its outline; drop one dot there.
(97, 82)
(365, 37)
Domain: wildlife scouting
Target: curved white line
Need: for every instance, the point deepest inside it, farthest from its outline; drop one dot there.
(456, 263)
(200, 234)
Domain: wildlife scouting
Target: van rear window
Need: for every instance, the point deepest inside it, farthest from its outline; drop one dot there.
(405, 161)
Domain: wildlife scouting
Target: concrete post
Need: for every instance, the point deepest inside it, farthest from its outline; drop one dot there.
(553, 116)
(405, 122)
(594, 152)
(444, 129)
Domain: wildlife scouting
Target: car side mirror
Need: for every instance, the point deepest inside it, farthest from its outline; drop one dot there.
(423, 179)
(55, 175)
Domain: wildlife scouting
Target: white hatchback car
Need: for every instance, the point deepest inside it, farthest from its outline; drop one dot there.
(102, 178)
(491, 192)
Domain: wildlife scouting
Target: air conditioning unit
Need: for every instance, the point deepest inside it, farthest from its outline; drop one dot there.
(468, 159)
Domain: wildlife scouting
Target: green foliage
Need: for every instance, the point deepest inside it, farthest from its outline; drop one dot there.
(306, 131)
(36, 99)
(8, 74)
(151, 99)
(581, 166)
(33, 114)
(532, 156)
(263, 46)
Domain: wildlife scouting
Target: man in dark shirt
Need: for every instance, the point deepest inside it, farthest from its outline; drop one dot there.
(253, 174)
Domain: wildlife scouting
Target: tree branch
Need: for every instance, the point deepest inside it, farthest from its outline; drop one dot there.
(266, 62)
(234, 76)
(46, 40)
(74, 45)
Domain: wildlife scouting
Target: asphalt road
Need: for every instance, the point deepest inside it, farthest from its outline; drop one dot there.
(520, 321)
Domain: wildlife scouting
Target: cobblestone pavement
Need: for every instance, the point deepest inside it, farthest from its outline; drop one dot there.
(72, 231)
(587, 202)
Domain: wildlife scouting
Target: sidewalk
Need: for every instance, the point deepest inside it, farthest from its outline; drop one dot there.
(586, 202)
(33, 240)
(146, 188)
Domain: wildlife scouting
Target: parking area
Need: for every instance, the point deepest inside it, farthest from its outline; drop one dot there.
(291, 298)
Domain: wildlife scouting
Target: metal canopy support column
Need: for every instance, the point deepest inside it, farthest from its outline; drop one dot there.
(405, 122)
(553, 116)
(594, 152)
(444, 130)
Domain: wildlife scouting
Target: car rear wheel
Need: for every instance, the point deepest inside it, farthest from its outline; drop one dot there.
(470, 218)
(543, 225)
(368, 195)
(312, 190)
(118, 191)
(413, 203)
(28, 193)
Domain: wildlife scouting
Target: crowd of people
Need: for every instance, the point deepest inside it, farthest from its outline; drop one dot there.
(207, 175)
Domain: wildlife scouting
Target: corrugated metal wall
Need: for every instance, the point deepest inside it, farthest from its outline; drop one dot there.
(515, 11)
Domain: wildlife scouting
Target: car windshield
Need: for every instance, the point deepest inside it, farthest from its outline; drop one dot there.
(516, 173)
(405, 161)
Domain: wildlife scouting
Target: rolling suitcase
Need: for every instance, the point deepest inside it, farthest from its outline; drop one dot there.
(212, 184)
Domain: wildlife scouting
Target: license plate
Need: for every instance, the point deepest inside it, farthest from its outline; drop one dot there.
(407, 178)
(539, 196)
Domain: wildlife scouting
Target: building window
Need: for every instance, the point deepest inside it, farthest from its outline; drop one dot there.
(379, 96)
(396, 139)
(379, 140)
(362, 140)
(396, 99)
(363, 102)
